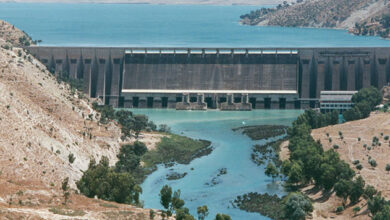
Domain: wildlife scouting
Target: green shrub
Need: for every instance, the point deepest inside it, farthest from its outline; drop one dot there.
(71, 158)
(339, 209)
(102, 181)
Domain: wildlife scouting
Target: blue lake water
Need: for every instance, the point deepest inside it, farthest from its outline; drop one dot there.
(164, 25)
(232, 151)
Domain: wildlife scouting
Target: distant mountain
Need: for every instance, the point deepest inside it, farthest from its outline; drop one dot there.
(361, 17)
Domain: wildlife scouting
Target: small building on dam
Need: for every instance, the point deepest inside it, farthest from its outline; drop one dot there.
(217, 78)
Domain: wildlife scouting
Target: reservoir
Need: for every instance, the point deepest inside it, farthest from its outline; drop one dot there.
(232, 151)
(164, 26)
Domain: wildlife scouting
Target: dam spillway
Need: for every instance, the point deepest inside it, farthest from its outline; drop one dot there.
(222, 78)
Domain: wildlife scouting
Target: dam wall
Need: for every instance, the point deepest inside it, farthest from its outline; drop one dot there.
(223, 78)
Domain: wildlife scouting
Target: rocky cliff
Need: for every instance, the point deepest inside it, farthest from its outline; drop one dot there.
(361, 17)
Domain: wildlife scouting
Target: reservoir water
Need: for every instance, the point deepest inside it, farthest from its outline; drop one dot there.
(231, 151)
(164, 25)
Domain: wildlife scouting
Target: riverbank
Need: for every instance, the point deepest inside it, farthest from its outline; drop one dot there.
(170, 150)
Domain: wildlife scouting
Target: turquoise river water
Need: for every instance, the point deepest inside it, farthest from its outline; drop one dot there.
(231, 151)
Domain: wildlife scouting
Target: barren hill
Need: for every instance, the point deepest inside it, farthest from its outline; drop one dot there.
(362, 17)
(42, 123)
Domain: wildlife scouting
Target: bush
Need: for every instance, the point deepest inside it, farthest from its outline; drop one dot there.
(355, 162)
(102, 181)
(130, 156)
(71, 158)
(296, 206)
(359, 167)
(335, 146)
(372, 162)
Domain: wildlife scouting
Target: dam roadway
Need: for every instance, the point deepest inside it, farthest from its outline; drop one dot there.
(222, 78)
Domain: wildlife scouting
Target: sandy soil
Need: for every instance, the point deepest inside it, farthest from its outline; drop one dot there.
(352, 149)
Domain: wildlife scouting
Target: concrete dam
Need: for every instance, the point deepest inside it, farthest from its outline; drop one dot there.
(217, 78)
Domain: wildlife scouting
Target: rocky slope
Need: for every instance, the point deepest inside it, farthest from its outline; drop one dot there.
(42, 123)
(361, 17)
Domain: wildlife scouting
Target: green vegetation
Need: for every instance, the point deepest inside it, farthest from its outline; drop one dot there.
(176, 148)
(269, 151)
(203, 212)
(364, 102)
(59, 211)
(130, 124)
(293, 206)
(175, 175)
(102, 181)
(130, 157)
(174, 204)
(71, 158)
(265, 204)
(259, 132)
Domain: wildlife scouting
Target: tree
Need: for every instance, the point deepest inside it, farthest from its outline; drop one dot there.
(271, 171)
(166, 196)
(296, 206)
(130, 156)
(222, 217)
(357, 189)
(343, 189)
(184, 214)
(387, 168)
(177, 203)
(295, 174)
(102, 181)
(383, 214)
(203, 212)
(376, 204)
(140, 123)
(369, 192)
(371, 95)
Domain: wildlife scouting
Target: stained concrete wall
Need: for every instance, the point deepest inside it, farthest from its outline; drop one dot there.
(211, 72)
(107, 71)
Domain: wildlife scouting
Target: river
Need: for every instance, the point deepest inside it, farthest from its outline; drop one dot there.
(231, 151)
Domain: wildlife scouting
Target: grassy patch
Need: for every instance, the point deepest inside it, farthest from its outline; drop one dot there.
(175, 148)
(108, 205)
(176, 176)
(67, 212)
(172, 149)
(259, 132)
(267, 205)
(270, 151)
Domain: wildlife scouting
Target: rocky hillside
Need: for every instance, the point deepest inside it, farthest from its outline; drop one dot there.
(48, 132)
(361, 17)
